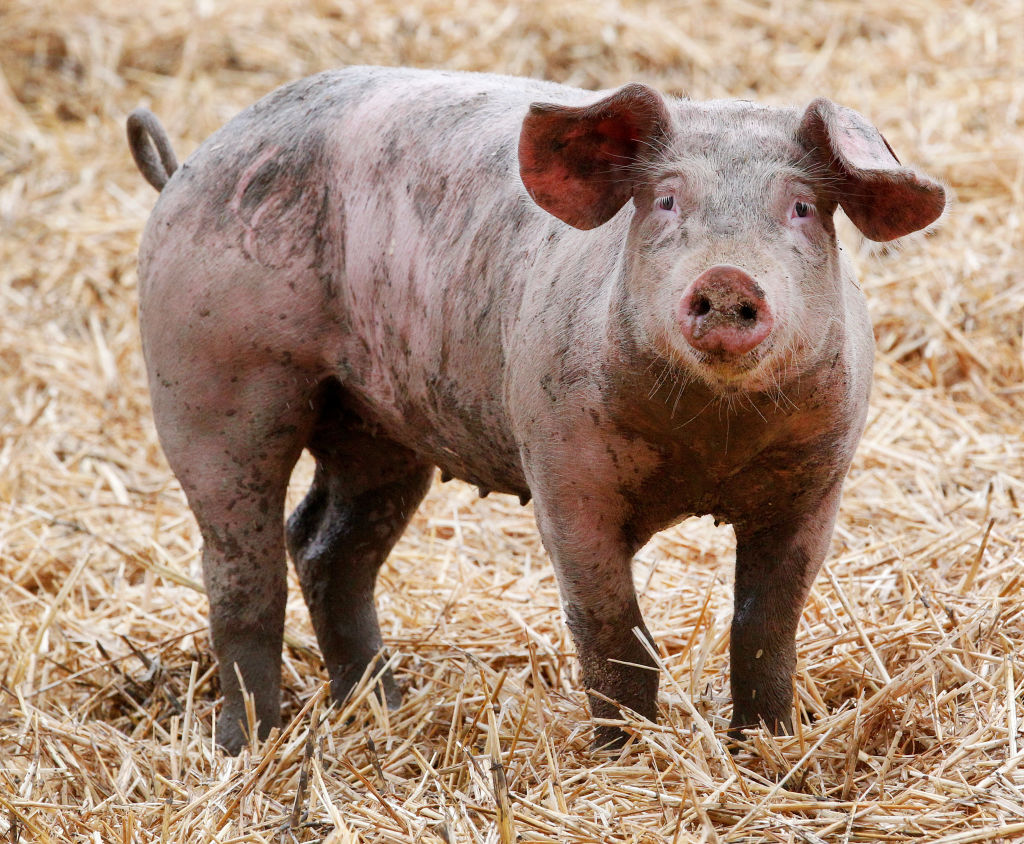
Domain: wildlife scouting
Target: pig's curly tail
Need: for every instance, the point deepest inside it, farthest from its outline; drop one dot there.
(151, 147)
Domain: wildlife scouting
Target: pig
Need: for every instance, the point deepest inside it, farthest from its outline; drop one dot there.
(628, 306)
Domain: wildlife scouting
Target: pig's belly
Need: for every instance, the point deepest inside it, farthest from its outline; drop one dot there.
(463, 432)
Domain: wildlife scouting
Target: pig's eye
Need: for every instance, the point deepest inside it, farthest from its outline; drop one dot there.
(802, 209)
(665, 203)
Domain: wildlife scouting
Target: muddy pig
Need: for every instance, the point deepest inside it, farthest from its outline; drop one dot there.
(628, 306)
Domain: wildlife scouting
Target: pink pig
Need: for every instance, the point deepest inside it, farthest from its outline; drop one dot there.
(630, 307)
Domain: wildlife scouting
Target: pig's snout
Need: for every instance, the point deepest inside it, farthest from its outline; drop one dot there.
(725, 312)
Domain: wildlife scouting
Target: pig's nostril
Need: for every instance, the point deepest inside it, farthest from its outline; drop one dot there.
(748, 313)
(701, 306)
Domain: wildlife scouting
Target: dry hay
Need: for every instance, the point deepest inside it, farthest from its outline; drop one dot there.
(908, 686)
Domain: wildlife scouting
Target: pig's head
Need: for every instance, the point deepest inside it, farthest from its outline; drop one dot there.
(732, 267)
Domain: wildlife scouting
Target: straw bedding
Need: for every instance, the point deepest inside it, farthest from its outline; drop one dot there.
(908, 687)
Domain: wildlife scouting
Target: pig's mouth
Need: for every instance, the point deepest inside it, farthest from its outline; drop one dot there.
(762, 367)
(756, 371)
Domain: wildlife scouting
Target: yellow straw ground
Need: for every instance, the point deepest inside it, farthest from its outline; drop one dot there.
(909, 688)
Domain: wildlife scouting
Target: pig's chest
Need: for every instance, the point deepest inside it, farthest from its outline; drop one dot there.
(737, 475)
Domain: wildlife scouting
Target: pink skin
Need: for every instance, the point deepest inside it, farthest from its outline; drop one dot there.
(361, 265)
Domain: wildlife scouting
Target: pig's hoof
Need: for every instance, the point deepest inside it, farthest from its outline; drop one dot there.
(776, 726)
(387, 689)
(384, 687)
(739, 725)
(735, 740)
(232, 736)
(608, 739)
(230, 744)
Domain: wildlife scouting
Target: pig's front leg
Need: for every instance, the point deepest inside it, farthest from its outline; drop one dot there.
(776, 562)
(592, 560)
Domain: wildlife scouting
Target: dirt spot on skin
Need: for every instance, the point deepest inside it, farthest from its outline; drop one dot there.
(427, 196)
(279, 199)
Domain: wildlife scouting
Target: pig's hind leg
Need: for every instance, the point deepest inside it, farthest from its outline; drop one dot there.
(232, 434)
(364, 492)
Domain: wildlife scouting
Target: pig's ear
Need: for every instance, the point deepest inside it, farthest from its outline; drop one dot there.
(577, 161)
(883, 199)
